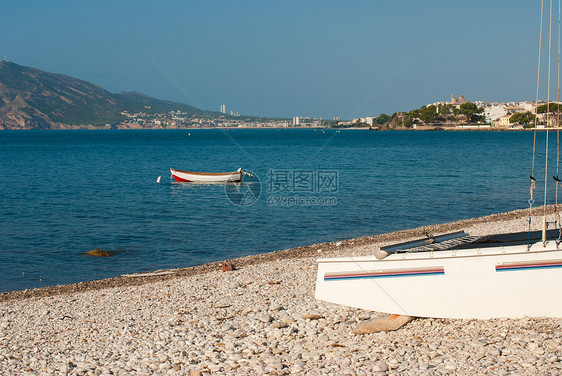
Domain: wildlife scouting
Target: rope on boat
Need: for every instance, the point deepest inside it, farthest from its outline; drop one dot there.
(531, 201)
(532, 190)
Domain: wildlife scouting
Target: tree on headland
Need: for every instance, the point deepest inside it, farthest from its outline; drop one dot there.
(471, 111)
(382, 119)
(442, 113)
(428, 114)
(416, 113)
(407, 121)
(445, 108)
(524, 118)
(551, 107)
(401, 120)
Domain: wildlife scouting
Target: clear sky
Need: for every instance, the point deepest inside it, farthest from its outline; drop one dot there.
(285, 58)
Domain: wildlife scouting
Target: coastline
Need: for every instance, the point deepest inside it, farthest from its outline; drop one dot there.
(292, 253)
(418, 129)
(260, 319)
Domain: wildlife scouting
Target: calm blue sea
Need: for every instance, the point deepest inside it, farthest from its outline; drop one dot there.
(63, 193)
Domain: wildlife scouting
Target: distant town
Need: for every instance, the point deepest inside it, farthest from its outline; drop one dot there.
(181, 119)
(459, 113)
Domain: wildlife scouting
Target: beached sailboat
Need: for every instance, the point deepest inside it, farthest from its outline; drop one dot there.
(209, 177)
(456, 275)
(461, 277)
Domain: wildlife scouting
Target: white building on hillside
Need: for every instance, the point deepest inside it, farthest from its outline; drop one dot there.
(502, 121)
(493, 112)
(367, 120)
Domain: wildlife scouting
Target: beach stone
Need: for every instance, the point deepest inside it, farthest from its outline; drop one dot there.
(297, 369)
(276, 307)
(312, 316)
(532, 346)
(265, 318)
(279, 324)
(364, 316)
(386, 324)
(494, 352)
(380, 367)
(100, 253)
(450, 366)
(227, 267)
(235, 357)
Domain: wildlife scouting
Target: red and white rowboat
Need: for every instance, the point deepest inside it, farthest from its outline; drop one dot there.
(208, 177)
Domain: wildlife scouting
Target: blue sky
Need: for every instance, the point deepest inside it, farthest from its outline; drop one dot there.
(285, 58)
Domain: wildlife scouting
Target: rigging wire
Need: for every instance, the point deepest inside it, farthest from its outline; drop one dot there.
(532, 176)
(544, 224)
(548, 105)
(557, 219)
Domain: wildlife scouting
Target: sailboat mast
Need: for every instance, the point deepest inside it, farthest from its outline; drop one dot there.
(532, 176)
(556, 178)
(547, 124)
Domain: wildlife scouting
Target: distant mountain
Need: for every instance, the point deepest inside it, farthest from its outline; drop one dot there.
(34, 99)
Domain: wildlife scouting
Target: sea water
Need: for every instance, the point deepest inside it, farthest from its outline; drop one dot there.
(63, 193)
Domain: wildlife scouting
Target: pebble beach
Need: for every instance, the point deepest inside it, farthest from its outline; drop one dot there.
(260, 319)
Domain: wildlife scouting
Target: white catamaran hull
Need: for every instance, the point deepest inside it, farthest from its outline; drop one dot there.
(509, 281)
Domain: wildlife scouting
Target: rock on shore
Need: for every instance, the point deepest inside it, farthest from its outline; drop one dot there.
(259, 319)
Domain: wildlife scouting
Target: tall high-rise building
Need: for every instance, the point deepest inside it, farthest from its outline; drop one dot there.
(223, 108)
(296, 120)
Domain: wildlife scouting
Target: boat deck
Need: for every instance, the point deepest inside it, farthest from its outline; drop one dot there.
(462, 240)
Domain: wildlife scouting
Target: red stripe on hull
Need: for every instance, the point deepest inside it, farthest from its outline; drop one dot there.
(178, 179)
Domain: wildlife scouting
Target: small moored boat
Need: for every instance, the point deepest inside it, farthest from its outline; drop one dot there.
(208, 177)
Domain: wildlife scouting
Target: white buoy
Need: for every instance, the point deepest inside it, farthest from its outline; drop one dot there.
(158, 180)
